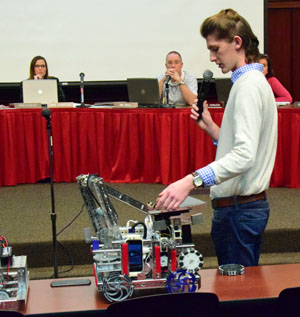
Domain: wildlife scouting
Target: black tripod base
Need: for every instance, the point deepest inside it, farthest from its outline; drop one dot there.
(168, 106)
(83, 106)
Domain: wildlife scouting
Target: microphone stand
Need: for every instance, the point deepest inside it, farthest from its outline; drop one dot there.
(167, 93)
(47, 114)
(167, 96)
(82, 104)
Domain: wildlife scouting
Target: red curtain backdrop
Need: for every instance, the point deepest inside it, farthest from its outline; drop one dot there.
(121, 145)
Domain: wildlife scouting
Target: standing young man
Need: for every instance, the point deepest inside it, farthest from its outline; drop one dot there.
(246, 145)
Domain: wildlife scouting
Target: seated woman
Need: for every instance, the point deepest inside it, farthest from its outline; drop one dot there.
(280, 92)
(39, 70)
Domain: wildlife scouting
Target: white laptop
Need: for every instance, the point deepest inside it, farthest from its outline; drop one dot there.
(42, 91)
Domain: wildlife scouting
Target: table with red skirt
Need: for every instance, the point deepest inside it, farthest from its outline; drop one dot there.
(124, 145)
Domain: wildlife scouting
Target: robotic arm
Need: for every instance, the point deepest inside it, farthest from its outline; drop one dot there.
(101, 212)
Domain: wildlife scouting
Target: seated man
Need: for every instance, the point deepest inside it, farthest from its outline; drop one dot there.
(182, 85)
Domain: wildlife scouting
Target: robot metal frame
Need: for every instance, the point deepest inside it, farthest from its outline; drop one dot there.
(156, 253)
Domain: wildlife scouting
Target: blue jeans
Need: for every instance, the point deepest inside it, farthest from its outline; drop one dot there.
(237, 232)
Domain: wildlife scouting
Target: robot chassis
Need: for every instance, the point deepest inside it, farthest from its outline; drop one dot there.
(156, 253)
(14, 279)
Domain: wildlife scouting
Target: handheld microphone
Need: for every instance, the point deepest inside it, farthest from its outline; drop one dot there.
(46, 113)
(168, 78)
(207, 76)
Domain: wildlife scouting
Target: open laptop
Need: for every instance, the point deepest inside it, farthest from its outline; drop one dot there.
(42, 91)
(223, 86)
(144, 91)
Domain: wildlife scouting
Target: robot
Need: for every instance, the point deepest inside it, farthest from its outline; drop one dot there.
(156, 253)
(14, 278)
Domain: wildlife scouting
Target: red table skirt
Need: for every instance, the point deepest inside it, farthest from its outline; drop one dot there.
(136, 145)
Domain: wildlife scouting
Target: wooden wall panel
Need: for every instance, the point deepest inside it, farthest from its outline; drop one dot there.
(295, 60)
(279, 41)
(284, 43)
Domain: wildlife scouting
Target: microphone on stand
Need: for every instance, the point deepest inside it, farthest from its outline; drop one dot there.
(82, 105)
(207, 76)
(168, 78)
(46, 113)
(81, 88)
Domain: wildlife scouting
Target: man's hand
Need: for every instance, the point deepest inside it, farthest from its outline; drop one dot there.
(206, 123)
(174, 74)
(172, 196)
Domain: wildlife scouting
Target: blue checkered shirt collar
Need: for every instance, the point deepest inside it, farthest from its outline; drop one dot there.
(244, 69)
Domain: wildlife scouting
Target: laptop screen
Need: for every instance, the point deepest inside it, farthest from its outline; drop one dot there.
(144, 91)
(223, 86)
(40, 91)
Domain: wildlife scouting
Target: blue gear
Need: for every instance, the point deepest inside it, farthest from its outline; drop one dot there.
(181, 281)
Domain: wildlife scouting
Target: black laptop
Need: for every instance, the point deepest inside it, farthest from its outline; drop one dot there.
(223, 86)
(144, 91)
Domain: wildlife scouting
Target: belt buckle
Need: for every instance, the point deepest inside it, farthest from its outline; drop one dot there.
(228, 202)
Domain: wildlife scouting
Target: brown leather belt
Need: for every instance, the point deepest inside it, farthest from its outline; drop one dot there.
(231, 201)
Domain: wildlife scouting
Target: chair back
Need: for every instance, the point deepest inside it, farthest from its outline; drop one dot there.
(10, 313)
(289, 302)
(179, 304)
